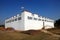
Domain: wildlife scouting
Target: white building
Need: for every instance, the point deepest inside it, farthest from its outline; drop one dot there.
(28, 21)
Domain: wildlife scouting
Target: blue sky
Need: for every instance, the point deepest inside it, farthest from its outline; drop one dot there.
(47, 8)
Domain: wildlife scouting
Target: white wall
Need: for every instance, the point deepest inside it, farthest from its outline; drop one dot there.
(18, 25)
(49, 25)
(31, 24)
(28, 24)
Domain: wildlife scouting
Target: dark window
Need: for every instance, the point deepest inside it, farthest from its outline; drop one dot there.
(35, 18)
(16, 19)
(7, 21)
(42, 20)
(39, 19)
(45, 20)
(29, 17)
(19, 18)
(12, 20)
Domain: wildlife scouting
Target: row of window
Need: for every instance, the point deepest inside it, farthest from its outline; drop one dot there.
(14, 20)
(30, 18)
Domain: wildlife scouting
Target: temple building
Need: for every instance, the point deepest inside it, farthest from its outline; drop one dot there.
(28, 21)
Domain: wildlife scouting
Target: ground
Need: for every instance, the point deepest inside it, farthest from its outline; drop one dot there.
(29, 35)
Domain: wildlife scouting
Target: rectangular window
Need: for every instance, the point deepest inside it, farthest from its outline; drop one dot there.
(19, 18)
(29, 17)
(45, 20)
(12, 20)
(7, 21)
(35, 18)
(39, 19)
(16, 19)
(42, 20)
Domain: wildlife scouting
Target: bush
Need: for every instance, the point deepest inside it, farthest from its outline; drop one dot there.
(2, 25)
(57, 23)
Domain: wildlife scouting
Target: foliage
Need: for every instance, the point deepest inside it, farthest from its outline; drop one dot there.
(57, 23)
(1, 25)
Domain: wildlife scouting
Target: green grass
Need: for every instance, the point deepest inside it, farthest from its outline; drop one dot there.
(6, 35)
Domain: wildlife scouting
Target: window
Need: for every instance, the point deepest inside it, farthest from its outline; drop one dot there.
(39, 19)
(42, 20)
(7, 21)
(19, 18)
(45, 20)
(16, 19)
(35, 18)
(12, 20)
(29, 17)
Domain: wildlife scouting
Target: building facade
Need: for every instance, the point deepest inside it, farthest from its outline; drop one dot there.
(28, 21)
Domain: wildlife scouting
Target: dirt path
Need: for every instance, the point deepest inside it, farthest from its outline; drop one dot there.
(45, 31)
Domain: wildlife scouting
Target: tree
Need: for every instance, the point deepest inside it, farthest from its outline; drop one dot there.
(2, 26)
(57, 23)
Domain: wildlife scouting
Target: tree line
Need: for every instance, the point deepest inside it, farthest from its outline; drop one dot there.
(57, 23)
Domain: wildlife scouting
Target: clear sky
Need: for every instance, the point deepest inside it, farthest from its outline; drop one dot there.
(46, 8)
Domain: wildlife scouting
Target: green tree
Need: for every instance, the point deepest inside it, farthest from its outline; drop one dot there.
(57, 23)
